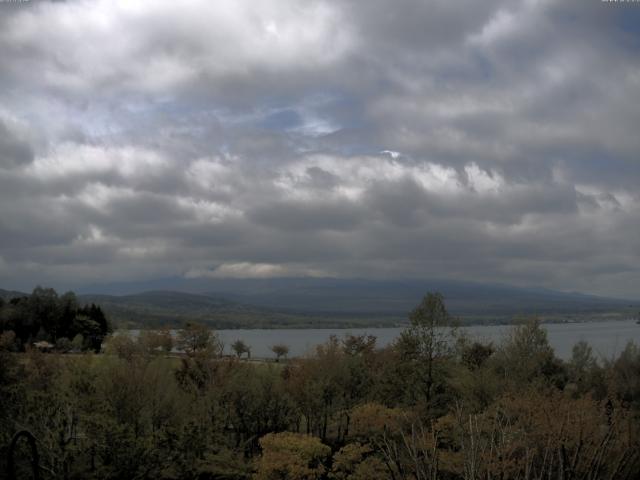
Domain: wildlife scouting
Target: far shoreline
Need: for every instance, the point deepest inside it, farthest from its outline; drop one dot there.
(392, 323)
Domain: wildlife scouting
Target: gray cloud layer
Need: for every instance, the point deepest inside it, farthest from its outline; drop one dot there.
(490, 141)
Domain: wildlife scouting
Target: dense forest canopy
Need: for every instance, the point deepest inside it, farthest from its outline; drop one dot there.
(58, 319)
(433, 405)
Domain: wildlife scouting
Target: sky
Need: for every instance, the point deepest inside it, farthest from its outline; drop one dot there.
(494, 141)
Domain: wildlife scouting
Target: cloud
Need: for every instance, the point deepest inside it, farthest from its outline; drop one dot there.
(490, 141)
(78, 160)
(15, 142)
(159, 47)
(249, 270)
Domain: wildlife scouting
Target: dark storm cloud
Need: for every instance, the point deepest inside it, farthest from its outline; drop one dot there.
(477, 140)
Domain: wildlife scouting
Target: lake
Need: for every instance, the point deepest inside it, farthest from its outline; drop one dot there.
(606, 338)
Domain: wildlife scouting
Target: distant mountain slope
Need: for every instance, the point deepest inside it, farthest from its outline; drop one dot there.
(176, 301)
(360, 298)
(9, 294)
(330, 302)
(170, 308)
(399, 297)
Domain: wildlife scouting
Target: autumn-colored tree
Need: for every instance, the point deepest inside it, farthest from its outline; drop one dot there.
(371, 420)
(548, 434)
(291, 456)
(356, 461)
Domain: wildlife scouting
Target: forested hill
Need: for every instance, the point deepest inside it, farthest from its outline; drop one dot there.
(49, 320)
(370, 297)
(9, 294)
(169, 308)
(356, 299)
(330, 303)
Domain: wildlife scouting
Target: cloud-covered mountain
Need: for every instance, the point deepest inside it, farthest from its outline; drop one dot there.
(331, 302)
(337, 299)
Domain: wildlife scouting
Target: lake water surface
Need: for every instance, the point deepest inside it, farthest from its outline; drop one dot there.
(606, 338)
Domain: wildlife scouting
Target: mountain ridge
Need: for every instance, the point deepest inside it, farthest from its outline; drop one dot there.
(330, 302)
(390, 298)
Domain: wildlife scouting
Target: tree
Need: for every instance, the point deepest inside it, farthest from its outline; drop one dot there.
(240, 348)
(426, 342)
(255, 402)
(12, 394)
(45, 316)
(123, 345)
(67, 310)
(476, 354)
(355, 461)
(194, 338)
(280, 350)
(44, 312)
(526, 355)
(8, 341)
(90, 330)
(63, 345)
(544, 433)
(156, 341)
(584, 372)
(623, 375)
(292, 456)
(370, 421)
(354, 345)
(78, 342)
(165, 339)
